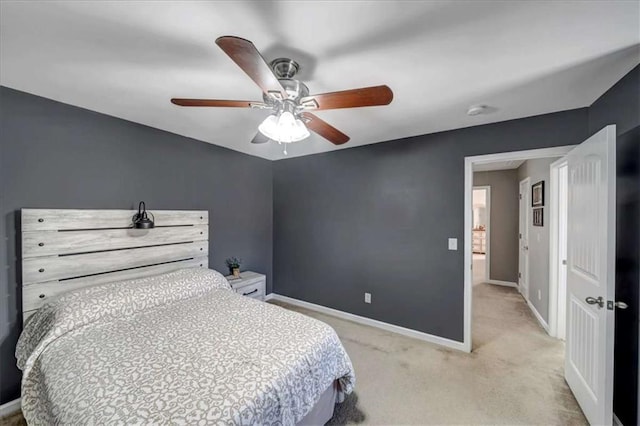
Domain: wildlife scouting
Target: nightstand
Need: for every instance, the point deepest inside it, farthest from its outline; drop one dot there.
(250, 284)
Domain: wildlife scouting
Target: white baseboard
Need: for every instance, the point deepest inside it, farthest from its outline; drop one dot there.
(371, 322)
(10, 408)
(503, 283)
(541, 320)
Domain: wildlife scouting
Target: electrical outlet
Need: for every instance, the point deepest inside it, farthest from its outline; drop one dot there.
(367, 298)
(453, 244)
(539, 295)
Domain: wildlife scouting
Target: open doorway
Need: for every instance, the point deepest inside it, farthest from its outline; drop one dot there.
(510, 305)
(520, 235)
(586, 190)
(481, 236)
(503, 267)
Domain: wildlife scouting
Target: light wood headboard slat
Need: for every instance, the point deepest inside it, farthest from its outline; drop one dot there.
(47, 268)
(62, 219)
(38, 293)
(48, 243)
(65, 249)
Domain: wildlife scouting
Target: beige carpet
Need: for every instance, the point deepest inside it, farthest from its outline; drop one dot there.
(513, 376)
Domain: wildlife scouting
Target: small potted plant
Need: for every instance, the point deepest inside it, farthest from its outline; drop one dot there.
(234, 266)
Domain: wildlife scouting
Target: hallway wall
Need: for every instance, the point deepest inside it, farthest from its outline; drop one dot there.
(538, 170)
(503, 226)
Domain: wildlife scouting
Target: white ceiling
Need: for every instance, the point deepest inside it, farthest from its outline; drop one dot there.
(127, 59)
(498, 165)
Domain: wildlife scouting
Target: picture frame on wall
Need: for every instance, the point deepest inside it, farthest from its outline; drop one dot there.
(537, 194)
(538, 216)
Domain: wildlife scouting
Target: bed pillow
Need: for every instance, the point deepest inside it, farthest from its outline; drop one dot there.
(77, 308)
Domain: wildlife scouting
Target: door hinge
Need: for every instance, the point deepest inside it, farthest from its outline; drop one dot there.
(520, 236)
(564, 261)
(519, 275)
(520, 196)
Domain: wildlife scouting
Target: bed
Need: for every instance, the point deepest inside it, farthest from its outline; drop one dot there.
(173, 347)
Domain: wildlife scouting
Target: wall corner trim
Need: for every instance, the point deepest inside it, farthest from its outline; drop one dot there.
(370, 322)
(541, 320)
(503, 283)
(10, 407)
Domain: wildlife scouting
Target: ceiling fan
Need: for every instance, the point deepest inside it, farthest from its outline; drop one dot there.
(287, 97)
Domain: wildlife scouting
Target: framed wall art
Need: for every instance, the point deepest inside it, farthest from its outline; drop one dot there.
(537, 194)
(538, 216)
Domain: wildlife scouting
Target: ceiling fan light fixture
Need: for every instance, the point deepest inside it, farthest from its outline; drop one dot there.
(288, 97)
(284, 128)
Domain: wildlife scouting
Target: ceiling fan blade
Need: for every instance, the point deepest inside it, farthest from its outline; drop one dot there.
(366, 96)
(245, 54)
(260, 138)
(324, 129)
(215, 103)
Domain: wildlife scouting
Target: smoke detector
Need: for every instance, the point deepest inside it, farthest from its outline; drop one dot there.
(477, 110)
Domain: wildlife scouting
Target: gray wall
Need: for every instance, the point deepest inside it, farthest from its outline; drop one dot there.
(538, 170)
(373, 218)
(620, 105)
(503, 227)
(58, 156)
(376, 219)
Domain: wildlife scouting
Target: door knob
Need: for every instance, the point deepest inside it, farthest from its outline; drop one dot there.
(611, 305)
(593, 301)
(621, 305)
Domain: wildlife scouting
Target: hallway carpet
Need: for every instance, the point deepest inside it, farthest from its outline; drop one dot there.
(513, 376)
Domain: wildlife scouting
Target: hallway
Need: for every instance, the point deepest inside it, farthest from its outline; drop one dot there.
(506, 334)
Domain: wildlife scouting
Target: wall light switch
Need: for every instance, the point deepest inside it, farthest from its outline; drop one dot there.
(367, 298)
(453, 244)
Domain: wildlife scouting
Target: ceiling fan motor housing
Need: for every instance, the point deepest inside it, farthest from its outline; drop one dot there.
(284, 67)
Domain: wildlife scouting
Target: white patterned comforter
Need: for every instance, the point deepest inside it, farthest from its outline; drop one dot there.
(178, 348)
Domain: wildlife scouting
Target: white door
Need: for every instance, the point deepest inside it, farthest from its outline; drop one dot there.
(523, 235)
(591, 274)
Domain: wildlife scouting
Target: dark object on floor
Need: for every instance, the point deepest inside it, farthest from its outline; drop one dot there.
(347, 412)
(14, 419)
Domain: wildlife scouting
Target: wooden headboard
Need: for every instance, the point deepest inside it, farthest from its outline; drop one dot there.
(64, 249)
